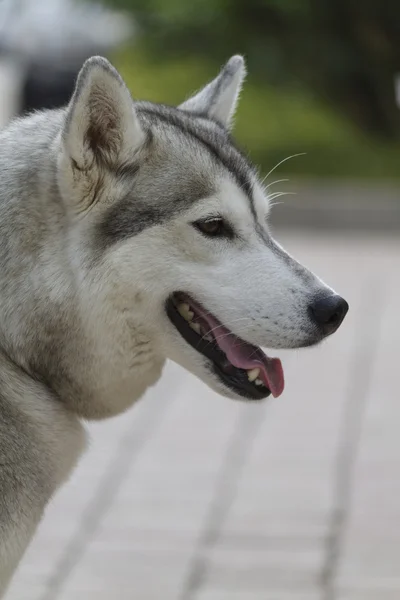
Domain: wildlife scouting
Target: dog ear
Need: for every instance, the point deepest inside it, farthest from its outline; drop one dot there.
(101, 125)
(218, 99)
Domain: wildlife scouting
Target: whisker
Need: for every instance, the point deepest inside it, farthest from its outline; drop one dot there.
(278, 194)
(271, 205)
(209, 314)
(218, 326)
(283, 161)
(253, 353)
(229, 333)
(224, 335)
(272, 182)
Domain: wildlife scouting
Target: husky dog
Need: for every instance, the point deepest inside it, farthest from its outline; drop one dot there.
(131, 233)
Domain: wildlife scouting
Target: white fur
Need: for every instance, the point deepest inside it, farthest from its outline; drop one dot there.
(218, 100)
(101, 100)
(83, 326)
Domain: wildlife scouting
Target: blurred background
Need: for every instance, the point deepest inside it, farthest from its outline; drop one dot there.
(190, 496)
(321, 78)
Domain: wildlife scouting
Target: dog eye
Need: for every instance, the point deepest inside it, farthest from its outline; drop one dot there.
(212, 227)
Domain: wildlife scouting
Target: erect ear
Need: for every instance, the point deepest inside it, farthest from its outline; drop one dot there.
(218, 99)
(101, 124)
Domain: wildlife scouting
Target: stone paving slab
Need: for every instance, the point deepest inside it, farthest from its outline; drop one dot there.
(213, 595)
(190, 496)
(370, 561)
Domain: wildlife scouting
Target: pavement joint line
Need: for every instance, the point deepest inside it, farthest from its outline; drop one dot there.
(365, 349)
(248, 422)
(128, 449)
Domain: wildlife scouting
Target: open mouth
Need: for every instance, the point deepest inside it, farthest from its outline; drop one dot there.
(244, 368)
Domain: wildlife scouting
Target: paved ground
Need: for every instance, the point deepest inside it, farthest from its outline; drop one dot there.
(193, 497)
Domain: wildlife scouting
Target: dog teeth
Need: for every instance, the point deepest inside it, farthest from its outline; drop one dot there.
(208, 337)
(195, 327)
(253, 374)
(185, 312)
(259, 382)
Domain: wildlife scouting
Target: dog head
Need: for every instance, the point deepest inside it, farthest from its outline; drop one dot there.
(172, 223)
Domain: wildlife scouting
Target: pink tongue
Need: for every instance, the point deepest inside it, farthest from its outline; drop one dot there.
(243, 355)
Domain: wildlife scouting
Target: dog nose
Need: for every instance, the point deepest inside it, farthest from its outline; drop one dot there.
(329, 312)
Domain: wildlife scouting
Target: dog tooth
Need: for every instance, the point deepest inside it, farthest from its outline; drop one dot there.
(208, 337)
(183, 308)
(195, 327)
(259, 382)
(185, 312)
(253, 374)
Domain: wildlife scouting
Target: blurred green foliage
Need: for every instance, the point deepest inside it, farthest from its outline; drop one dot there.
(271, 122)
(346, 51)
(321, 74)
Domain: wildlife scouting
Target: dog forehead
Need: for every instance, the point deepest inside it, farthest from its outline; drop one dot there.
(189, 159)
(194, 140)
(233, 200)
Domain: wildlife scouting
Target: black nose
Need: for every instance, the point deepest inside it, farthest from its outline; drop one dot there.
(329, 312)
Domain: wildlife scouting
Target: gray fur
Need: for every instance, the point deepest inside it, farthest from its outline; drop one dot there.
(166, 126)
(218, 99)
(97, 202)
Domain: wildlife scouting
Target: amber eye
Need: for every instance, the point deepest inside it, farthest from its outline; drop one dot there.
(211, 227)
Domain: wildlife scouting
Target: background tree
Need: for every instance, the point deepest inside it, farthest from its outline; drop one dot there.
(345, 51)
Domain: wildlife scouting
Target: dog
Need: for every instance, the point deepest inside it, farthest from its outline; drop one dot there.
(131, 233)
